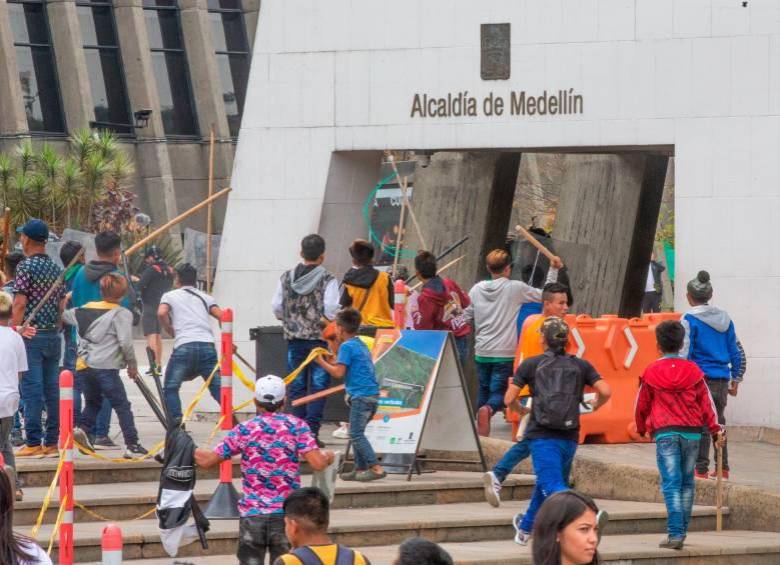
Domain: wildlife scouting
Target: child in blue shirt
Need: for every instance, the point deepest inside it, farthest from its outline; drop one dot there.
(355, 366)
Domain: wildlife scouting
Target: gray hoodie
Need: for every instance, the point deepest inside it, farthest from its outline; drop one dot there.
(105, 335)
(493, 314)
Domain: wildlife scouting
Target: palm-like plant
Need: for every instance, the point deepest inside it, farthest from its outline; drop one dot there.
(7, 171)
(21, 204)
(94, 173)
(82, 144)
(69, 187)
(104, 143)
(26, 155)
(50, 166)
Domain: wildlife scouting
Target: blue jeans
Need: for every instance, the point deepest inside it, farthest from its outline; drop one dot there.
(312, 379)
(41, 385)
(462, 346)
(552, 460)
(676, 457)
(103, 419)
(493, 382)
(101, 385)
(188, 361)
(361, 410)
(519, 451)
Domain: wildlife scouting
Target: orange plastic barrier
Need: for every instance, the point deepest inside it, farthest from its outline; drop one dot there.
(620, 349)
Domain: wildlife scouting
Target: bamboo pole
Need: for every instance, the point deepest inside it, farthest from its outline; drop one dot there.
(719, 490)
(440, 270)
(535, 242)
(406, 204)
(178, 219)
(400, 230)
(55, 285)
(6, 236)
(210, 211)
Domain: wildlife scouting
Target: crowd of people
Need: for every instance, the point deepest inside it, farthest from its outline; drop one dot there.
(82, 319)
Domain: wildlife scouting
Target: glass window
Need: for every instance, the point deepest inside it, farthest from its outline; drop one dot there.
(37, 71)
(169, 63)
(228, 32)
(104, 66)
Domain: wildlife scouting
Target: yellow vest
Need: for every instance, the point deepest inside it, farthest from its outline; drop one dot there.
(326, 553)
(376, 306)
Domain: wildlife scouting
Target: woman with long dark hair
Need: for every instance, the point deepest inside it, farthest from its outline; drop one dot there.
(567, 530)
(15, 549)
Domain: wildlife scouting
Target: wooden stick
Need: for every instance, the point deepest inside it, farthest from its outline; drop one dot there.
(181, 217)
(719, 491)
(57, 283)
(6, 236)
(400, 230)
(535, 242)
(317, 395)
(405, 202)
(245, 362)
(439, 271)
(210, 211)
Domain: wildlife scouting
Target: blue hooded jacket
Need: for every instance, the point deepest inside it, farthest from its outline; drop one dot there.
(711, 342)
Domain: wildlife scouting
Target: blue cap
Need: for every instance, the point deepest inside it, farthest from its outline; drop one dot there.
(35, 229)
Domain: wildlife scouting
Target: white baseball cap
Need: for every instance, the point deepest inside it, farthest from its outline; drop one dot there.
(269, 388)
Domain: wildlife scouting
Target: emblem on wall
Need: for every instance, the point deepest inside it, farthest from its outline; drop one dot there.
(495, 59)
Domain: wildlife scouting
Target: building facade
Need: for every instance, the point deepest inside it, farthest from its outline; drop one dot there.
(333, 86)
(70, 64)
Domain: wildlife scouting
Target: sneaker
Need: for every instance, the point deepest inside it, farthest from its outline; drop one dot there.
(521, 536)
(483, 420)
(18, 495)
(30, 451)
(492, 489)
(714, 475)
(134, 450)
(672, 543)
(342, 432)
(320, 443)
(104, 442)
(369, 475)
(349, 475)
(82, 437)
(51, 451)
(698, 475)
(17, 439)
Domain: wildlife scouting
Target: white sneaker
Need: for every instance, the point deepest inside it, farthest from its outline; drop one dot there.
(342, 432)
(492, 489)
(521, 536)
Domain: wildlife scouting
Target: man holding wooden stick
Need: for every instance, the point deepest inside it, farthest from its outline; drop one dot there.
(34, 305)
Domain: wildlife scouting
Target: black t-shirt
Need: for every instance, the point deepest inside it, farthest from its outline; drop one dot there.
(156, 280)
(526, 375)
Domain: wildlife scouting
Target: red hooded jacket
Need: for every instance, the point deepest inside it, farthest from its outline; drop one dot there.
(674, 397)
(440, 306)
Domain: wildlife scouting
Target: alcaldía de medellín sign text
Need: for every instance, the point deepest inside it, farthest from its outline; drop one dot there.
(518, 103)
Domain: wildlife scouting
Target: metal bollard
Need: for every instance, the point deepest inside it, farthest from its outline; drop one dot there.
(66, 474)
(111, 544)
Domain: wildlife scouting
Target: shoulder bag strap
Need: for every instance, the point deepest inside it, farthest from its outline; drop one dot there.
(306, 556)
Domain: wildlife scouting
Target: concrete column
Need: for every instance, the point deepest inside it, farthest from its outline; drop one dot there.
(71, 63)
(461, 194)
(155, 181)
(351, 177)
(251, 16)
(204, 76)
(13, 120)
(605, 225)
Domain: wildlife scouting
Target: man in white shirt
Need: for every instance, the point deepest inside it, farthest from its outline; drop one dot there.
(304, 296)
(13, 362)
(185, 313)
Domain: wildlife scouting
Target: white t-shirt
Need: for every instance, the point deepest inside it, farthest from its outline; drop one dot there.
(39, 556)
(189, 315)
(13, 360)
(650, 283)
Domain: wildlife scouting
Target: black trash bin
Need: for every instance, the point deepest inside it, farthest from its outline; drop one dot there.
(271, 357)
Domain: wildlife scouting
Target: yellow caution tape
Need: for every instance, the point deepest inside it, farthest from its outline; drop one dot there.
(313, 354)
(242, 377)
(102, 518)
(57, 522)
(49, 494)
(199, 394)
(154, 451)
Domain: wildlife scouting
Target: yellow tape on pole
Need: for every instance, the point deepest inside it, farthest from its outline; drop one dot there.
(199, 394)
(102, 518)
(95, 455)
(49, 494)
(55, 531)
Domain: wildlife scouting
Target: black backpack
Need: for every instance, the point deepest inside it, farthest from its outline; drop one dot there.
(557, 392)
(344, 556)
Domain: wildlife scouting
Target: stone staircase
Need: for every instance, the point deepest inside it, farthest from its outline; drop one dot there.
(446, 506)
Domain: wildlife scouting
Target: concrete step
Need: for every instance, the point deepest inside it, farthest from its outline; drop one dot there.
(356, 527)
(701, 548)
(124, 501)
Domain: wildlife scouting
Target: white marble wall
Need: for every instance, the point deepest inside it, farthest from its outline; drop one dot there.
(701, 76)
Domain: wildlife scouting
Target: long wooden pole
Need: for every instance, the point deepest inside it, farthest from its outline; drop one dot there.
(406, 202)
(719, 491)
(210, 211)
(6, 235)
(181, 217)
(317, 395)
(57, 283)
(535, 242)
(399, 239)
(440, 270)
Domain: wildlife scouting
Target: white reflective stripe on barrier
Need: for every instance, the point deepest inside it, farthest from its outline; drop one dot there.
(226, 381)
(634, 347)
(66, 393)
(67, 517)
(400, 298)
(227, 327)
(575, 333)
(70, 455)
(113, 557)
